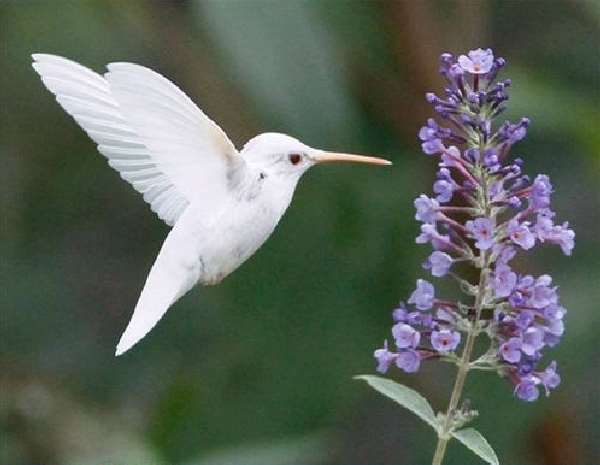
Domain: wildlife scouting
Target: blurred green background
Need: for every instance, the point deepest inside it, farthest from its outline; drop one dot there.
(258, 369)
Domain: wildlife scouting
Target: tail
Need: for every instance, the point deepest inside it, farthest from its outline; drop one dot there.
(172, 275)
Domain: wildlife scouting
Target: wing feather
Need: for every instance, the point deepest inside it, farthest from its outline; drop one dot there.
(173, 127)
(149, 130)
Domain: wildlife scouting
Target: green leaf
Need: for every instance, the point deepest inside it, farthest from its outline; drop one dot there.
(407, 397)
(473, 439)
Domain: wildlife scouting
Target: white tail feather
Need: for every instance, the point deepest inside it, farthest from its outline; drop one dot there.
(171, 276)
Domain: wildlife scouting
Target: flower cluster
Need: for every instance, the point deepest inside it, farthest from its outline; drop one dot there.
(412, 328)
(484, 211)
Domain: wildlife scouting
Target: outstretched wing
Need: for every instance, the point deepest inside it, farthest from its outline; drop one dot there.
(149, 130)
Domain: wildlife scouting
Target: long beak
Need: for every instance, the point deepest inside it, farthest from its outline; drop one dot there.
(331, 157)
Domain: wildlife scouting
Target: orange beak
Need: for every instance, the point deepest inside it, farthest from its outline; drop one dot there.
(331, 157)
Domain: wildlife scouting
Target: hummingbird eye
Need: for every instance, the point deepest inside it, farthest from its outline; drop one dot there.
(295, 158)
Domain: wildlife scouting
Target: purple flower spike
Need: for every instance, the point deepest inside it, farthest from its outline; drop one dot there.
(439, 263)
(405, 336)
(445, 341)
(484, 211)
(423, 295)
(477, 62)
(408, 360)
(482, 230)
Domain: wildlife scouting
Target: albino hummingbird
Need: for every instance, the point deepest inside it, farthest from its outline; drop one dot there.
(222, 204)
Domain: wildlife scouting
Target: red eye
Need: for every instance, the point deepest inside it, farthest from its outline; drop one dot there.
(295, 158)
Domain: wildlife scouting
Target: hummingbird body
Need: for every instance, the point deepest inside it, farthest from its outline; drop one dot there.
(222, 204)
(222, 241)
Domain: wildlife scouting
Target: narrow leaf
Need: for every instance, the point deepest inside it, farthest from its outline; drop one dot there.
(407, 397)
(473, 439)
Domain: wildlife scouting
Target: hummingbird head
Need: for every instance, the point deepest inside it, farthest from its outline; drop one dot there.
(286, 157)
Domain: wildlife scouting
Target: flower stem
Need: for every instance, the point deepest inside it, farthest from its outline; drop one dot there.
(465, 359)
(463, 369)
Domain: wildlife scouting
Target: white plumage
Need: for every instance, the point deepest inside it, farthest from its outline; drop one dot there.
(222, 204)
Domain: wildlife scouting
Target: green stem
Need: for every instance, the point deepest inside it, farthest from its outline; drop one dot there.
(463, 369)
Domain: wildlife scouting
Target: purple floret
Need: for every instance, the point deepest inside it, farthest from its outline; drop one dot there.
(408, 360)
(504, 281)
(427, 209)
(540, 192)
(511, 350)
(527, 390)
(532, 341)
(384, 358)
(445, 340)
(405, 336)
(423, 295)
(550, 378)
(482, 230)
(477, 61)
(520, 234)
(439, 263)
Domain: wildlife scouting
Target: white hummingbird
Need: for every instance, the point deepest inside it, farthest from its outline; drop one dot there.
(222, 204)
